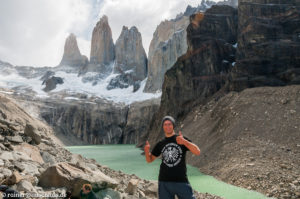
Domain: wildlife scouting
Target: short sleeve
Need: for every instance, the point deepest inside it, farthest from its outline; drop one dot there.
(187, 149)
(156, 151)
(187, 139)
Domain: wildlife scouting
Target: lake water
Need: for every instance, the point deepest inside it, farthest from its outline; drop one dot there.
(128, 159)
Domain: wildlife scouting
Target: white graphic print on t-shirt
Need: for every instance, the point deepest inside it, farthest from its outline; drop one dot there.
(171, 154)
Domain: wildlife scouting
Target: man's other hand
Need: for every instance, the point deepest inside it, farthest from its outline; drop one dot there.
(147, 147)
(180, 139)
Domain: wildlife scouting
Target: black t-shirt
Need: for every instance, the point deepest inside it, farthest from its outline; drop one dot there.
(172, 167)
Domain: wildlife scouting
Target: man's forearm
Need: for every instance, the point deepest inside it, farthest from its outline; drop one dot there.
(192, 147)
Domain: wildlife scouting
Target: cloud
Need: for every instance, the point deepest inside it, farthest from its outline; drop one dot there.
(146, 15)
(33, 32)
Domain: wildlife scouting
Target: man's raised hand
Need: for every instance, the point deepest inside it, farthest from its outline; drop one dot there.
(180, 139)
(147, 147)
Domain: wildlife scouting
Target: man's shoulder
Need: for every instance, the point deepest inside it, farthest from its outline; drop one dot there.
(159, 142)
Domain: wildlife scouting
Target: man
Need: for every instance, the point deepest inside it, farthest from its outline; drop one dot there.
(87, 192)
(172, 174)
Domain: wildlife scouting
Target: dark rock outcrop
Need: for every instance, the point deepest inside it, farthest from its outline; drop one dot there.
(51, 83)
(268, 51)
(122, 81)
(72, 55)
(203, 70)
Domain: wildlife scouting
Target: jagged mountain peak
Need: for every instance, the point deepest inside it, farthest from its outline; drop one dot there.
(72, 55)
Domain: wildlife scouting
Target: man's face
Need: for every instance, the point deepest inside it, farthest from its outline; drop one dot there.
(168, 127)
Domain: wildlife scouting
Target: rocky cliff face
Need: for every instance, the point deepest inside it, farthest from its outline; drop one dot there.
(72, 55)
(268, 44)
(203, 69)
(138, 120)
(94, 124)
(102, 48)
(168, 43)
(98, 122)
(130, 54)
(131, 59)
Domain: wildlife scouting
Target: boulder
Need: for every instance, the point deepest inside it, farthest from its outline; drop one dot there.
(6, 155)
(152, 190)
(31, 168)
(73, 177)
(32, 132)
(2, 147)
(32, 151)
(1, 138)
(132, 186)
(13, 179)
(6, 172)
(26, 186)
(48, 158)
(15, 139)
(19, 166)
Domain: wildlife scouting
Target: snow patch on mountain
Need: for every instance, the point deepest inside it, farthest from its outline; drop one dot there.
(75, 84)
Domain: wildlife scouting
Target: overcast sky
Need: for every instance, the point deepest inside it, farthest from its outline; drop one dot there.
(33, 32)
